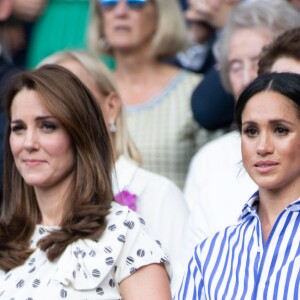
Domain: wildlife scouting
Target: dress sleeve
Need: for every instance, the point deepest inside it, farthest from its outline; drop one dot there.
(140, 249)
(192, 285)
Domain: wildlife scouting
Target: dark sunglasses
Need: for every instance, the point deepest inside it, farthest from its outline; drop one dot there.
(132, 4)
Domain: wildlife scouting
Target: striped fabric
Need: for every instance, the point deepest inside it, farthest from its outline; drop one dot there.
(237, 264)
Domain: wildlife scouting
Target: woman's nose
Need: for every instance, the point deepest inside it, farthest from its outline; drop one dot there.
(264, 146)
(31, 140)
(121, 7)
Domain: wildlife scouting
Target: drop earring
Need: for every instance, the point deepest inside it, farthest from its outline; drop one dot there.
(104, 44)
(112, 127)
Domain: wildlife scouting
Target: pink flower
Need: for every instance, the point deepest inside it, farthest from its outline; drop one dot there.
(126, 198)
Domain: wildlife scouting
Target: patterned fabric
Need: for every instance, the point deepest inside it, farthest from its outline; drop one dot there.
(237, 264)
(88, 269)
(164, 129)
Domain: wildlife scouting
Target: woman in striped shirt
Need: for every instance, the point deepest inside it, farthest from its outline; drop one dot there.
(260, 257)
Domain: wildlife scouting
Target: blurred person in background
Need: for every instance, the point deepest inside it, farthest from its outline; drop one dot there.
(216, 184)
(24, 16)
(212, 105)
(156, 95)
(7, 69)
(155, 198)
(296, 3)
(198, 57)
(283, 55)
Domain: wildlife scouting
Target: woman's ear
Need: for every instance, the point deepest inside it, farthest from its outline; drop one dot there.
(112, 105)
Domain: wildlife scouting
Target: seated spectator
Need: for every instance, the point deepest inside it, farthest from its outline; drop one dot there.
(283, 54)
(61, 235)
(212, 105)
(259, 257)
(156, 95)
(217, 186)
(156, 198)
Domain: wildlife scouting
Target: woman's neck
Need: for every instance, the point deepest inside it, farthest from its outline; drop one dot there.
(140, 79)
(271, 204)
(51, 202)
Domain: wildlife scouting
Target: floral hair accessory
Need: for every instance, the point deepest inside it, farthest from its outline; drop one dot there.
(126, 198)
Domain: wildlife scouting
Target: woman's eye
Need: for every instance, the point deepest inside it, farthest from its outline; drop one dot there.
(48, 127)
(251, 131)
(17, 128)
(281, 130)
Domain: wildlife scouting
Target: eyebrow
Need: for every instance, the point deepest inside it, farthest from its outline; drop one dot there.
(41, 118)
(275, 121)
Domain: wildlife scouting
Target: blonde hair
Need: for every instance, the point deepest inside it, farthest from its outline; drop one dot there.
(170, 36)
(103, 80)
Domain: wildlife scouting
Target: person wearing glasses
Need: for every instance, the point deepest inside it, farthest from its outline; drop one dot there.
(140, 35)
(61, 234)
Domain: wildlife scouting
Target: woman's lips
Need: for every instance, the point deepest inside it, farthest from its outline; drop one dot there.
(264, 167)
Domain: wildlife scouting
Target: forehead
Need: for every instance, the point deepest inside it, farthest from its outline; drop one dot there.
(269, 105)
(248, 42)
(27, 101)
(286, 64)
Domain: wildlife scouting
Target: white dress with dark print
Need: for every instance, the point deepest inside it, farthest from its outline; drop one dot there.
(88, 269)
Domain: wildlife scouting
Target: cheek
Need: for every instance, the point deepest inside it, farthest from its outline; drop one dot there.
(15, 145)
(59, 146)
(291, 151)
(248, 152)
(235, 82)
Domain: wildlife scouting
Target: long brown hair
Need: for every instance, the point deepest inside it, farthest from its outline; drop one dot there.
(90, 194)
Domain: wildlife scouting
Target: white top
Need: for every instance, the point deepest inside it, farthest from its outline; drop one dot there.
(216, 189)
(159, 201)
(88, 269)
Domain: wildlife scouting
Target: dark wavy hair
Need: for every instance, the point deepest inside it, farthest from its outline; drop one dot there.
(286, 45)
(90, 194)
(286, 84)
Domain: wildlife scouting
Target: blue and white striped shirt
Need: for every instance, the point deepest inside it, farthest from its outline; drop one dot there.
(237, 264)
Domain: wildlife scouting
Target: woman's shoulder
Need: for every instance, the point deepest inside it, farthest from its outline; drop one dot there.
(137, 179)
(122, 248)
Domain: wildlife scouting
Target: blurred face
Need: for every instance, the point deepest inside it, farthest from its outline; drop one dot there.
(271, 141)
(244, 50)
(5, 9)
(41, 146)
(296, 3)
(286, 64)
(128, 28)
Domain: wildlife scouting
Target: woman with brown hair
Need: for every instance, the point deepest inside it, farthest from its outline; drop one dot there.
(61, 235)
(158, 200)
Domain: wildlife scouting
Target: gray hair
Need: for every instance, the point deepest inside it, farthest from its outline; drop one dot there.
(170, 36)
(273, 16)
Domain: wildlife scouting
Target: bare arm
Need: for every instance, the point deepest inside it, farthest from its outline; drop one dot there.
(147, 283)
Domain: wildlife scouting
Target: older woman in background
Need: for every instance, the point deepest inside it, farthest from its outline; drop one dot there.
(140, 35)
(156, 198)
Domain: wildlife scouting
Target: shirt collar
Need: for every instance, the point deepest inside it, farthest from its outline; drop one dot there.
(250, 208)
